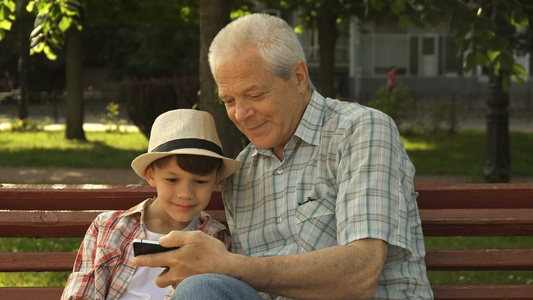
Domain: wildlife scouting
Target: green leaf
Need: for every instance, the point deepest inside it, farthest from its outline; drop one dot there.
(10, 4)
(30, 6)
(507, 60)
(404, 21)
(470, 61)
(518, 19)
(299, 29)
(38, 48)
(73, 2)
(65, 23)
(493, 55)
(49, 53)
(519, 79)
(432, 16)
(519, 70)
(499, 43)
(482, 59)
(70, 10)
(5, 24)
(398, 6)
(377, 4)
(36, 31)
(36, 40)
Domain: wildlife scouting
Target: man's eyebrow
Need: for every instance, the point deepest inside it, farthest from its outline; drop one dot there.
(248, 89)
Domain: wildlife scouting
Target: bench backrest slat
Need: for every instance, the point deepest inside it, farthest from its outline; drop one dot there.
(54, 224)
(496, 291)
(436, 260)
(36, 261)
(17, 293)
(477, 222)
(452, 222)
(475, 195)
(114, 197)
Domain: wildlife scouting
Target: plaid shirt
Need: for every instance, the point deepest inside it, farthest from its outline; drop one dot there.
(103, 268)
(345, 176)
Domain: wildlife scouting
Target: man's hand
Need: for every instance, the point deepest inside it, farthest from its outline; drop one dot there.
(199, 253)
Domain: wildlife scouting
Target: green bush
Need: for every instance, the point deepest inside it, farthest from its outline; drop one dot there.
(111, 118)
(28, 125)
(397, 103)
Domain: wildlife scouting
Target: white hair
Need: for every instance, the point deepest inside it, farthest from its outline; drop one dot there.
(277, 43)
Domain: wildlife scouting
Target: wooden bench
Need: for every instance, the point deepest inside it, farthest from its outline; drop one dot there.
(446, 210)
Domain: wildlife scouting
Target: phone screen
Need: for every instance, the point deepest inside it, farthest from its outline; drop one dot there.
(141, 246)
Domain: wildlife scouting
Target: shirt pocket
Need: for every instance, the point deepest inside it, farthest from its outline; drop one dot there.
(316, 225)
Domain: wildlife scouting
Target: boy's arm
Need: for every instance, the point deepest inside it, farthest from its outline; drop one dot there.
(216, 229)
(80, 283)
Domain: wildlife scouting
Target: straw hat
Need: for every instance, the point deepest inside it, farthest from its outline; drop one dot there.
(184, 131)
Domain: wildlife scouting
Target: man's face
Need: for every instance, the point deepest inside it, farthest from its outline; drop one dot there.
(265, 107)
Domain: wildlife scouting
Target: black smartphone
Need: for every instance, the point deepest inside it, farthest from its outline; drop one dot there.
(141, 246)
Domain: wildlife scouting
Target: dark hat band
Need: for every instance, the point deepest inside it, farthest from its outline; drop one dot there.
(188, 143)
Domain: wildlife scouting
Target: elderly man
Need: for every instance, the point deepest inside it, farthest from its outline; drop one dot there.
(324, 206)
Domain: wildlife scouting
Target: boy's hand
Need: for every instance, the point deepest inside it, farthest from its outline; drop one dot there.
(199, 253)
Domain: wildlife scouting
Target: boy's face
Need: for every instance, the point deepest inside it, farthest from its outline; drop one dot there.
(181, 195)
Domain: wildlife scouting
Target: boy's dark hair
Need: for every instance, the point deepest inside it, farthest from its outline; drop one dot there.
(195, 164)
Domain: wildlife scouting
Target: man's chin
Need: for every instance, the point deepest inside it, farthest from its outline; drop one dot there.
(260, 143)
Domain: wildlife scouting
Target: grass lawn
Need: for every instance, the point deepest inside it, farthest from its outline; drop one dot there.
(440, 153)
(52, 149)
(464, 153)
(460, 154)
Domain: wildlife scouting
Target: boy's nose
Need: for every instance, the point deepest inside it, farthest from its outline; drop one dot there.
(185, 192)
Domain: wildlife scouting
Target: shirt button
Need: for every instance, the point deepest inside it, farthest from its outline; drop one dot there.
(280, 219)
(279, 171)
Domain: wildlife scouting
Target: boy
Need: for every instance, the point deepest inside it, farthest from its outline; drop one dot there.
(184, 163)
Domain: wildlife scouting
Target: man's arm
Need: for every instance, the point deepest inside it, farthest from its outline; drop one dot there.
(338, 272)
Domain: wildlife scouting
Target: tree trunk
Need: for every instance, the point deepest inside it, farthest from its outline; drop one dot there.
(497, 154)
(74, 58)
(327, 38)
(25, 24)
(214, 15)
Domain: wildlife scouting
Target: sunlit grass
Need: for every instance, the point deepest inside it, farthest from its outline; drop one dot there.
(52, 149)
(441, 153)
(418, 145)
(464, 153)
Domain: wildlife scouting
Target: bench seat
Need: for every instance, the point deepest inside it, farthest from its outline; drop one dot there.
(446, 210)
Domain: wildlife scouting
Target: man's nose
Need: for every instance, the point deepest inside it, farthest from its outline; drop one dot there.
(243, 110)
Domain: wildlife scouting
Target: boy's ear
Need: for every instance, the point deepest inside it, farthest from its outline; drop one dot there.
(149, 175)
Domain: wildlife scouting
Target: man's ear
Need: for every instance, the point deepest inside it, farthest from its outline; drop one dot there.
(149, 175)
(302, 75)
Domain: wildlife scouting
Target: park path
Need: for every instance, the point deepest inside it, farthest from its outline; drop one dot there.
(32, 175)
